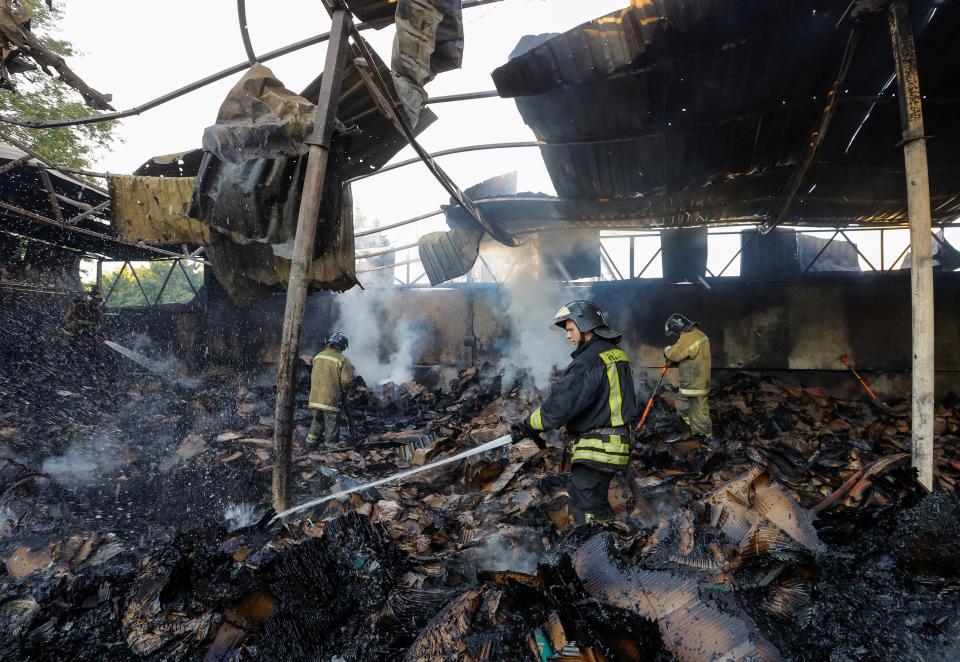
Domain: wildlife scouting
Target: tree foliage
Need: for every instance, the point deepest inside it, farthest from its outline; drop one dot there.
(40, 97)
(127, 293)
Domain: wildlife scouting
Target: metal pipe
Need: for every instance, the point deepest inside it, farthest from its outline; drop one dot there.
(244, 32)
(387, 266)
(24, 148)
(384, 228)
(387, 251)
(466, 96)
(381, 93)
(90, 233)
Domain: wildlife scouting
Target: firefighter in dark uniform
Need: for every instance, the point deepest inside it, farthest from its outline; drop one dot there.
(331, 376)
(595, 400)
(84, 317)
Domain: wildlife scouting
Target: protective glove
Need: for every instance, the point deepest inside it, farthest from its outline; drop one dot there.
(518, 430)
(522, 430)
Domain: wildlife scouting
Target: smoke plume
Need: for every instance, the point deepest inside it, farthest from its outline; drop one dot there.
(383, 336)
(535, 349)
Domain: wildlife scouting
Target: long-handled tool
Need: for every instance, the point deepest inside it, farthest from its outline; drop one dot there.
(653, 395)
(845, 360)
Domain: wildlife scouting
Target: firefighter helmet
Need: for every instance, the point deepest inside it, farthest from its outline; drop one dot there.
(339, 341)
(588, 317)
(677, 323)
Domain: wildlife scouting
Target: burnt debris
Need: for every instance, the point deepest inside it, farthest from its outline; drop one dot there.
(135, 526)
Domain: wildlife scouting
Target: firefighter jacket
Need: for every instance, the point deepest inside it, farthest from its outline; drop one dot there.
(595, 400)
(83, 320)
(691, 353)
(332, 373)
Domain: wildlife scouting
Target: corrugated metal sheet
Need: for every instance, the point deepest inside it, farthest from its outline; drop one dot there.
(692, 630)
(696, 112)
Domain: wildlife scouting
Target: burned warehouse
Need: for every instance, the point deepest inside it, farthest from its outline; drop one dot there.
(622, 330)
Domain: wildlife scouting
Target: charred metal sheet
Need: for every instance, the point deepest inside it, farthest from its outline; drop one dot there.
(744, 507)
(22, 188)
(179, 164)
(694, 95)
(254, 202)
(450, 254)
(260, 118)
(691, 629)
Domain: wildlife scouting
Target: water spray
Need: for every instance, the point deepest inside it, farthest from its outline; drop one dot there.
(482, 448)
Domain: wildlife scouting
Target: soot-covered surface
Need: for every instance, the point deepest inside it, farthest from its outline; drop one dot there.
(129, 507)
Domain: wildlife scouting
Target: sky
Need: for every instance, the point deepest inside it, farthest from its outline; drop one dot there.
(146, 48)
(139, 49)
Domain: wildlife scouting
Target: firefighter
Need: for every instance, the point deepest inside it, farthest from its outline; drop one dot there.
(84, 317)
(595, 400)
(691, 354)
(331, 376)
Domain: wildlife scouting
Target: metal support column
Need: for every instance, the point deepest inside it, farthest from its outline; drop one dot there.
(302, 258)
(921, 266)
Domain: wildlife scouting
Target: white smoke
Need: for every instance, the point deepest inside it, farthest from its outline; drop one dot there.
(383, 342)
(536, 349)
(85, 461)
(500, 552)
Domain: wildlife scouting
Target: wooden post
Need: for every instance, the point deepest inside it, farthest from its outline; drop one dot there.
(302, 258)
(921, 266)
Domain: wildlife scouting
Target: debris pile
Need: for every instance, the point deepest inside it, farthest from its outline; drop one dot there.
(757, 549)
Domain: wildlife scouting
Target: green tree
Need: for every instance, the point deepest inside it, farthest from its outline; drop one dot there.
(41, 97)
(127, 293)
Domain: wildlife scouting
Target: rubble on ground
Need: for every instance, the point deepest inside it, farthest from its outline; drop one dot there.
(136, 526)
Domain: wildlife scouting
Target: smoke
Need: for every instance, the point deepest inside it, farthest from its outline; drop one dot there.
(499, 552)
(382, 334)
(535, 349)
(85, 461)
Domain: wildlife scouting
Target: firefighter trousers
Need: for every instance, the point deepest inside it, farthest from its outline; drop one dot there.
(327, 424)
(588, 488)
(695, 412)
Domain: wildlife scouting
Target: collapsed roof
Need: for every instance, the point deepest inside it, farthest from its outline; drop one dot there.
(669, 113)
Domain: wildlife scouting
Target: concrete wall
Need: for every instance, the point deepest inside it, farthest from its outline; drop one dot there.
(796, 329)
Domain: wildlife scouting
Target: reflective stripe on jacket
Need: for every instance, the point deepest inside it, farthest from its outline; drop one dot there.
(691, 353)
(594, 392)
(332, 372)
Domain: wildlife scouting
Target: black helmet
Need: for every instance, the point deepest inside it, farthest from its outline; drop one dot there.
(588, 317)
(95, 293)
(339, 341)
(677, 323)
